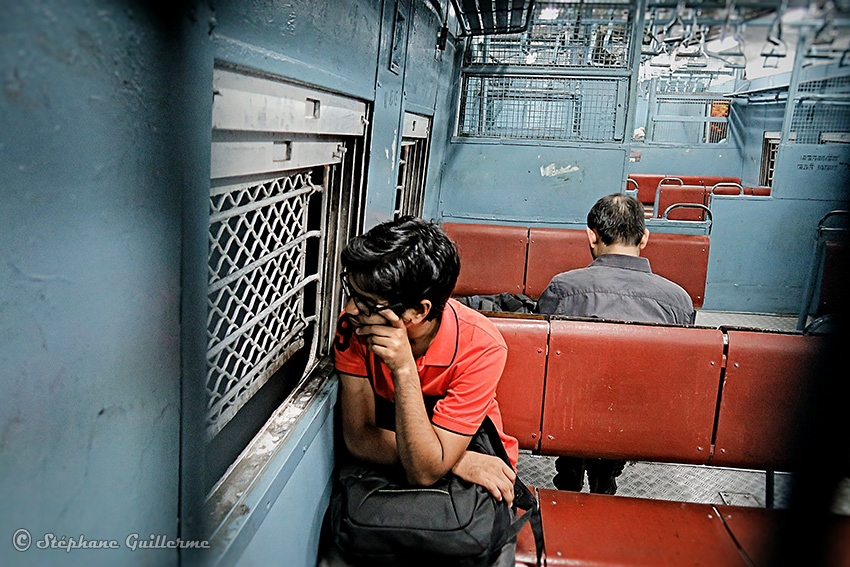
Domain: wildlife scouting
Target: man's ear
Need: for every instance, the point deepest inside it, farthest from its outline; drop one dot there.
(645, 239)
(592, 238)
(422, 311)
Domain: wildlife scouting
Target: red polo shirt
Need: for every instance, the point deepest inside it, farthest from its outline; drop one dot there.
(462, 367)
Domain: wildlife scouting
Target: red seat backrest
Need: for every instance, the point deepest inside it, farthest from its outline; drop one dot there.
(712, 180)
(520, 391)
(647, 183)
(671, 194)
(552, 251)
(492, 257)
(681, 258)
(767, 375)
(631, 391)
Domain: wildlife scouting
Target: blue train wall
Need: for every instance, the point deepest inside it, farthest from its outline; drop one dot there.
(106, 120)
(105, 149)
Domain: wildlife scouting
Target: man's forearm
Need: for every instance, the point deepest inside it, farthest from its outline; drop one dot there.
(373, 444)
(419, 448)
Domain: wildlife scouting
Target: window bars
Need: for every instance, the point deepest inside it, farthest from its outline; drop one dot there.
(486, 17)
(566, 78)
(690, 120)
(822, 112)
(548, 108)
(286, 193)
(259, 237)
(413, 165)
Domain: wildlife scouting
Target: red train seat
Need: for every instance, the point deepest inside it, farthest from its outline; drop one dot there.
(764, 388)
(635, 399)
(552, 251)
(681, 258)
(520, 391)
(492, 257)
(646, 185)
(594, 530)
(670, 194)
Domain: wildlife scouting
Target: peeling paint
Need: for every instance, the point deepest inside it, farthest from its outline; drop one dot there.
(551, 170)
(395, 143)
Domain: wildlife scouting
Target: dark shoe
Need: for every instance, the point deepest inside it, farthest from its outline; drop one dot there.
(566, 481)
(570, 473)
(604, 486)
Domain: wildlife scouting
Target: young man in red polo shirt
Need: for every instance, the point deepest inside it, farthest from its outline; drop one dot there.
(418, 370)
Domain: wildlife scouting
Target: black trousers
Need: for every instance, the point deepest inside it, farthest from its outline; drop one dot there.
(600, 474)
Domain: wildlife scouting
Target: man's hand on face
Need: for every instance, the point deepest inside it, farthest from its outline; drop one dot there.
(389, 341)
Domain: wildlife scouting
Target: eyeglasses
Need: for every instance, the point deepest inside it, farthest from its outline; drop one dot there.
(364, 305)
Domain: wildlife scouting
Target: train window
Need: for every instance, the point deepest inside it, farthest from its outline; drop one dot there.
(413, 165)
(514, 86)
(287, 175)
(689, 120)
(821, 112)
(769, 149)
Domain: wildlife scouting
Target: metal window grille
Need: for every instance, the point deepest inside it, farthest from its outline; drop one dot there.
(553, 108)
(769, 149)
(821, 112)
(259, 238)
(413, 165)
(832, 85)
(288, 170)
(689, 120)
(572, 35)
(819, 121)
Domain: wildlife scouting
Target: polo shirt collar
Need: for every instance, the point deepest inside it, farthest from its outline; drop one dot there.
(443, 349)
(637, 263)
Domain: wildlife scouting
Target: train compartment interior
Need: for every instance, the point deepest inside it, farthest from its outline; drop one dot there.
(182, 178)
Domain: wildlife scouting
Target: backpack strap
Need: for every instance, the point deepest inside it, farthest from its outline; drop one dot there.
(523, 497)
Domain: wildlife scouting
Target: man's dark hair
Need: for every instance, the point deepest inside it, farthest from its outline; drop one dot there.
(404, 261)
(617, 218)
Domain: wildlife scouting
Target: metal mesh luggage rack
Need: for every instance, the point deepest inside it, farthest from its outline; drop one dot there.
(550, 108)
(564, 35)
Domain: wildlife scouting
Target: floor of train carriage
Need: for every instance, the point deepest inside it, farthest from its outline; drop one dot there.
(695, 483)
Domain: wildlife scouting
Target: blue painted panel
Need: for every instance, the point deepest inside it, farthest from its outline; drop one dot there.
(718, 159)
(760, 253)
(289, 535)
(755, 120)
(537, 184)
(302, 40)
(423, 72)
(387, 118)
(805, 171)
(90, 281)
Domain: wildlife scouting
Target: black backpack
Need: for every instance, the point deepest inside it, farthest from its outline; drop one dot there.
(378, 519)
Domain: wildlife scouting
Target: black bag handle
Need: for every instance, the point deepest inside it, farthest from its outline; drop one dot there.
(523, 497)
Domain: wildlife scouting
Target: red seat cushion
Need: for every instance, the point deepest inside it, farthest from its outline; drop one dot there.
(672, 194)
(647, 183)
(598, 530)
(757, 531)
(681, 258)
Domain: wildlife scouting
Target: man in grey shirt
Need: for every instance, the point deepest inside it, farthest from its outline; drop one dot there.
(620, 285)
